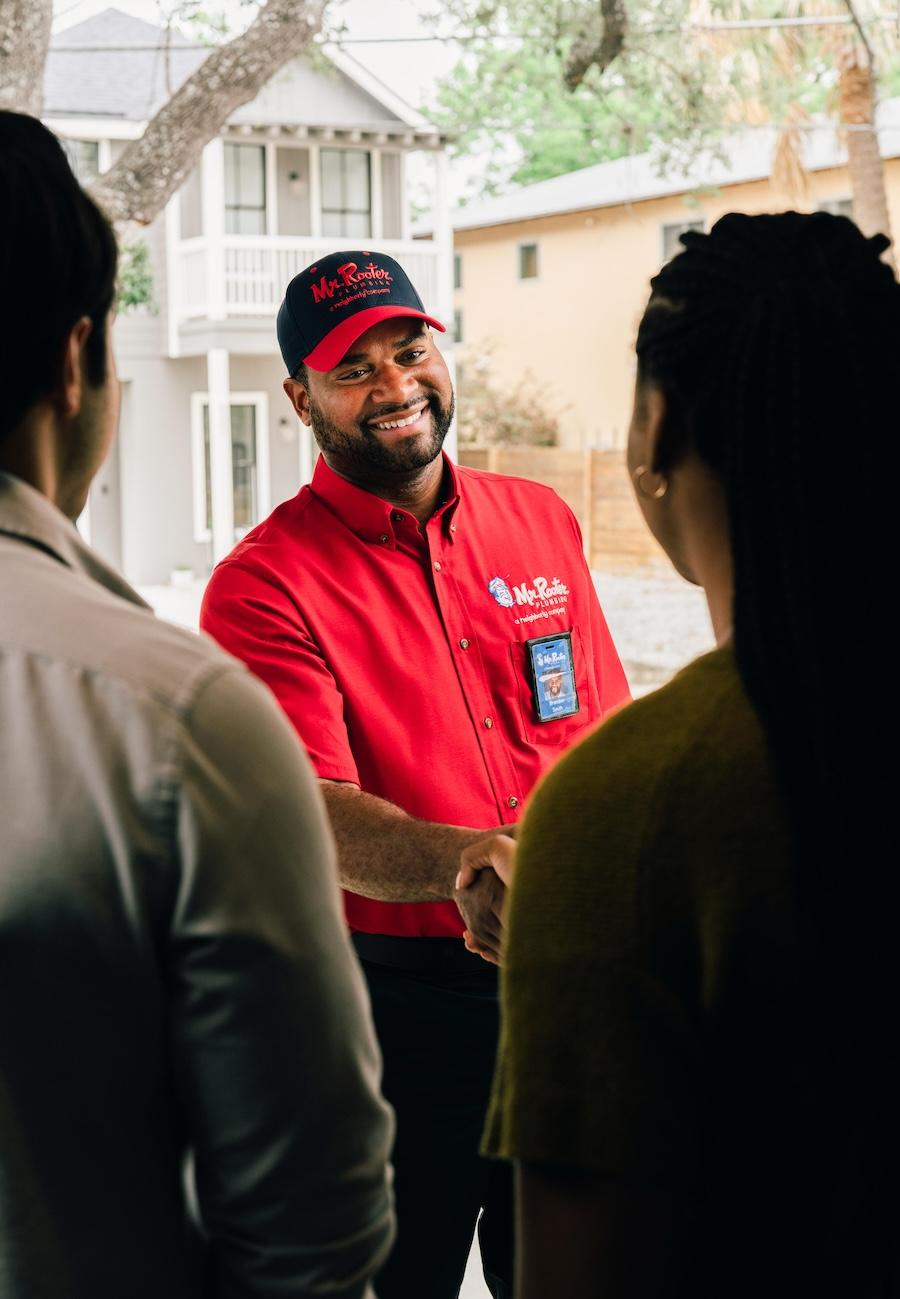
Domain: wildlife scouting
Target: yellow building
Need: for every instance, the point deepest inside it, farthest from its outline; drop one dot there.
(551, 279)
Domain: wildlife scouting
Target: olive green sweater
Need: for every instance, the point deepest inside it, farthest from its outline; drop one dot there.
(660, 1026)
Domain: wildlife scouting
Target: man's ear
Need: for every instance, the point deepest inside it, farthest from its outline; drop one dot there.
(299, 399)
(71, 386)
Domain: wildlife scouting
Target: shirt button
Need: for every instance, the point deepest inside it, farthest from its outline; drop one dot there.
(489, 722)
(512, 801)
(398, 518)
(452, 527)
(437, 564)
(384, 538)
(463, 644)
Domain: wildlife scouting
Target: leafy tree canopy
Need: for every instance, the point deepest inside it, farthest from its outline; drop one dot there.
(664, 88)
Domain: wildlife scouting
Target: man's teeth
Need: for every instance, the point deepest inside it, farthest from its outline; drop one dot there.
(402, 423)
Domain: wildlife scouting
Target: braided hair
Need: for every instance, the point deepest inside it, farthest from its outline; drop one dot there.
(776, 341)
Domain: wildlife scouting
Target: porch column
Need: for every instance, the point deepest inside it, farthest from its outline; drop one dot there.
(218, 381)
(213, 204)
(443, 307)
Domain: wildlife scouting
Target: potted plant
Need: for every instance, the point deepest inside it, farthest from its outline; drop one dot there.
(182, 577)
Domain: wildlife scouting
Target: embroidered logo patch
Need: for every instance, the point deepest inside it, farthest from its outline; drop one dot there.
(501, 592)
(542, 597)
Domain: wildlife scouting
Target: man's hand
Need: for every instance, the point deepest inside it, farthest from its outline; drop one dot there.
(485, 868)
(497, 851)
(481, 907)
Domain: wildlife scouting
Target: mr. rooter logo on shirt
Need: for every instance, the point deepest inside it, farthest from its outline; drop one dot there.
(541, 598)
(351, 281)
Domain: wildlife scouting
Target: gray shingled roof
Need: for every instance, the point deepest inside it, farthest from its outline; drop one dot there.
(116, 66)
(632, 180)
(113, 65)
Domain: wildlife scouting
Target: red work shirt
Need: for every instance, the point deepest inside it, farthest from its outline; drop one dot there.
(399, 654)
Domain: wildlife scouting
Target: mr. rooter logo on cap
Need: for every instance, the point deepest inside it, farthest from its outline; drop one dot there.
(330, 304)
(350, 279)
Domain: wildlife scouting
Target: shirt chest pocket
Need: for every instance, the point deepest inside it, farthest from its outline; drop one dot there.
(558, 730)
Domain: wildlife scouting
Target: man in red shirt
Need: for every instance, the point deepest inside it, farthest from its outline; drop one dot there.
(410, 616)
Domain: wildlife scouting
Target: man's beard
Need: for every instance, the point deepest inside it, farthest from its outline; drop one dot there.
(365, 449)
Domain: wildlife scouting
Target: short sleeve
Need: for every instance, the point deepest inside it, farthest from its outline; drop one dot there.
(253, 618)
(597, 1067)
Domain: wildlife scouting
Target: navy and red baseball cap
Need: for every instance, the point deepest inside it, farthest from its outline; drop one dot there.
(327, 306)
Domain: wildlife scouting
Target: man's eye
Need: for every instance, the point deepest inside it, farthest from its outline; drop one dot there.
(414, 354)
(351, 374)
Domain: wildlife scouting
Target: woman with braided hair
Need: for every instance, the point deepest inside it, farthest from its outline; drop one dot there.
(697, 1073)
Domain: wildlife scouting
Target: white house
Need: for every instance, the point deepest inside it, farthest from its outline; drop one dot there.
(208, 443)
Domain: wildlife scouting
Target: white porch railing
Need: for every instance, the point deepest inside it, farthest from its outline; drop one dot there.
(258, 269)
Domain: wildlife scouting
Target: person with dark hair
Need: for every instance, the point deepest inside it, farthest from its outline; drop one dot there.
(404, 611)
(696, 1077)
(189, 1096)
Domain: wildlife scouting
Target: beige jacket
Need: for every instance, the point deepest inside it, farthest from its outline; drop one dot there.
(176, 983)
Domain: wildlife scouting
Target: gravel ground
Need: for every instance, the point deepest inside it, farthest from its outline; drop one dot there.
(658, 624)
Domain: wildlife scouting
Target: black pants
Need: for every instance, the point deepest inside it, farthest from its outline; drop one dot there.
(438, 1033)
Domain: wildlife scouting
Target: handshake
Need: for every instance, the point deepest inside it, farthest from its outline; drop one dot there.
(485, 871)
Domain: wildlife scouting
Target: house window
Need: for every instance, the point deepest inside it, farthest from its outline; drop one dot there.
(249, 463)
(245, 189)
(457, 270)
(528, 261)
(84, 159)
(671, 234)
(837, 207)
(457, 326)
(346, 192)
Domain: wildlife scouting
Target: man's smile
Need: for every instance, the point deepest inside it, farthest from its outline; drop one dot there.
(389, 422)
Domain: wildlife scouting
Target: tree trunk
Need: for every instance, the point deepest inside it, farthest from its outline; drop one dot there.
(857, 98)
(24, 39)
(151, 169)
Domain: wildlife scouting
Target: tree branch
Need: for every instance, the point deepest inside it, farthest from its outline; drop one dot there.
(600, 43)
(24, 40)
(152, 168)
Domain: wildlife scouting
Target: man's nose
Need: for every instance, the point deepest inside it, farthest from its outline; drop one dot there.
(393, 385)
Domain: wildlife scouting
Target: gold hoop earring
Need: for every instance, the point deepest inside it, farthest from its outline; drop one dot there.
(656, 493)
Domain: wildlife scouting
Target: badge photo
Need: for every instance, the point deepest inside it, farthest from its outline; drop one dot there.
(552, 669)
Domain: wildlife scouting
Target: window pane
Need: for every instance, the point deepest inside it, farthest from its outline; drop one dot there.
(232, 180)
(245, 189)
(528, 261)
(332, 191)
(356, 181)
(356, 224)
(84, 158)
(207, 464)
(837, 207)
(332, 223)
(243, 463)
(253, 175)
(671, 236)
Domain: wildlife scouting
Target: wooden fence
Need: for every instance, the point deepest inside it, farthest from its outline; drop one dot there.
(595, 485)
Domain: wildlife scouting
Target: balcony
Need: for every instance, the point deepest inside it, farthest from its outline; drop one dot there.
(242, 277)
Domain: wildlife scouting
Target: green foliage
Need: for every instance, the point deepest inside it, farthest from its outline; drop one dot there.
(135, 279)
(209, 23)
(490, 416)
(675, 92)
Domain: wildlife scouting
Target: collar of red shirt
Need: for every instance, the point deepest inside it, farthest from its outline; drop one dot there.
(374, 519)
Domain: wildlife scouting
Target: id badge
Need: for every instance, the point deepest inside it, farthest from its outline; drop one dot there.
(552, 669)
